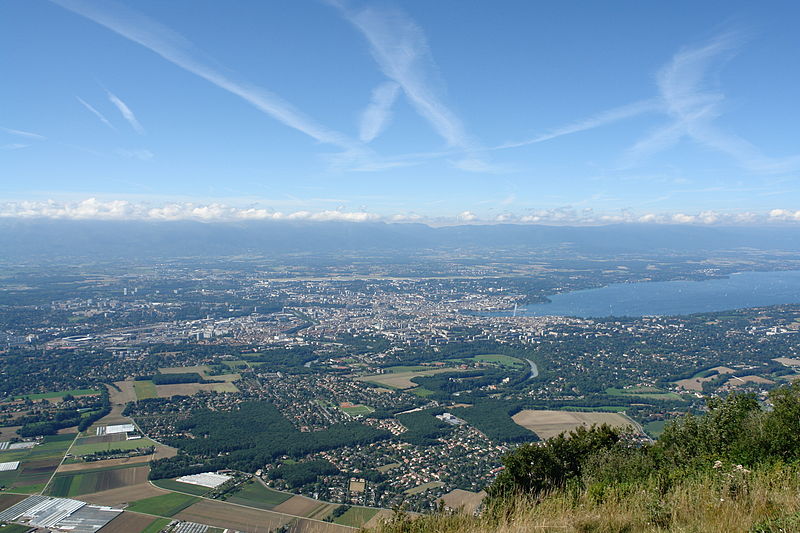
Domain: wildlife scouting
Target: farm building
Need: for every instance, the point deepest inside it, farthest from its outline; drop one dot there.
(206, 479)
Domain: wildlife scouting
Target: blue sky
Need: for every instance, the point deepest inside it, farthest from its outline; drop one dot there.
(520, 111)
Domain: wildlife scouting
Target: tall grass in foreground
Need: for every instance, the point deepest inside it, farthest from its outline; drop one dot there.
(718, 500)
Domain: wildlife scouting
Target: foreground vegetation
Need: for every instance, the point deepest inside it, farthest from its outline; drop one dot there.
(735, 468)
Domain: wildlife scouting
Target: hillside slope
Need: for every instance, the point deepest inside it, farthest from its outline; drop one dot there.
(734, 468)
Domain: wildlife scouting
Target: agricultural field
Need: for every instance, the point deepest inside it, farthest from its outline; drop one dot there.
(69, 485)
(125, 394)
(37, 464)
(255, 494)
(9, 432)
(463, 499)
(145, 389)
(385, 468)
(356, 516)
(307, 507)
(187, 389)
(7, 500)
(402, 380)
(124, 495)
(786, 361)
(650, 393)
(164, 505)
(88, 446)
(548, 424)
(496, 358)
(203, 370)
(735, 381)
(132, 522)
(220, 514)
(695, 383)
(58, 394)
(402, 369)
(156, 525)
(77, 465)
(177, 486)
(380, 516)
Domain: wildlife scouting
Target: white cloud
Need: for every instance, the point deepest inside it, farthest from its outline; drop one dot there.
(685, 97)
(785, 214)
(141, 153)
(595, 121)
(96, 209)
(14, 146)
(21, 133)
(96, 113)
(378, 113)
(401, 50)
(126, 112)
(178, 50)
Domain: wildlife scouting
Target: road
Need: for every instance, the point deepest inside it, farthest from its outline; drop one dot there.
(534, 369)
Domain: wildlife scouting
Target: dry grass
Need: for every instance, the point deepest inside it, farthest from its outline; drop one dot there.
(124, 495)
(224, 515)
(711, 504)
(548, 424)
(402, 380)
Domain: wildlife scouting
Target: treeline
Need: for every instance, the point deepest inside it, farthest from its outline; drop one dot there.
(174, 379)
(299, 474)
(423, 427)
(292, 358)
(49, 423)
(250, 437)
(493, 419)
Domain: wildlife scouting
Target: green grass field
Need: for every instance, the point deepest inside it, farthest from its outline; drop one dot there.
(422, 392)
(255, 494)
(156, 525)
(385, 468)
(88, 449)
(83, 482)
(399, 369)
(601, 409)
(164, 505)
(59, 394)
(651, 393)
(144, 389)
(236, 365)
(13, 528)
(655, 428)
(36, 464)
(503, 360)
(357, 410)
(177, 486)
(355, 516)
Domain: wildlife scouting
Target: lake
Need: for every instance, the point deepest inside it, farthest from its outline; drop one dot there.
(745, 289)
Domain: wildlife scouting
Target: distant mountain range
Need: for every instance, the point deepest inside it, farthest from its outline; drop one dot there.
(31, 238)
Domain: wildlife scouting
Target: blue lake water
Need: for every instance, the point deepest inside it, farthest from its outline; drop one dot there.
(745, 289)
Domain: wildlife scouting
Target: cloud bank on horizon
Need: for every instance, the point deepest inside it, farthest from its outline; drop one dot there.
(124, 210)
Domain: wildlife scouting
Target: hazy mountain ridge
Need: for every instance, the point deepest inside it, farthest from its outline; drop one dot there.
(34, 238)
